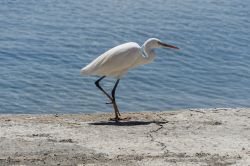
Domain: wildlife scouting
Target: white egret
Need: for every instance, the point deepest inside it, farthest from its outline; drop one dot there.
(117, 61)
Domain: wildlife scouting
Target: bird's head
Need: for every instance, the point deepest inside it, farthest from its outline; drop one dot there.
(156, 43)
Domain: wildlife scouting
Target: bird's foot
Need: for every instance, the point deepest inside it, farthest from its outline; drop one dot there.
(117, 119)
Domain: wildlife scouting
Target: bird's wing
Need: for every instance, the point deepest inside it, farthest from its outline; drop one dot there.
(117, 59)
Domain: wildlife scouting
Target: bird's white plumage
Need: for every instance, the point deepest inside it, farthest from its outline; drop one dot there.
(115, 62)
(118, 60)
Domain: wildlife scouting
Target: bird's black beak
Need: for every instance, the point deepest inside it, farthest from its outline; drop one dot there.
(168, 45)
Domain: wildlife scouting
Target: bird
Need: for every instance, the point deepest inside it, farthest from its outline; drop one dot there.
(118, 60)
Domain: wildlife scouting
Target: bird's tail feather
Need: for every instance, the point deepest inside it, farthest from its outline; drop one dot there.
(84, 71)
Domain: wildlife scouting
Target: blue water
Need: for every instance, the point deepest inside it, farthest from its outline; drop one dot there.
(44, 44)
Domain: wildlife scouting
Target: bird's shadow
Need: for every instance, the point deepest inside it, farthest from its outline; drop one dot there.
(126, 123)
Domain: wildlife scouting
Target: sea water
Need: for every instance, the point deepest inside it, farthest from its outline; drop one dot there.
(44, 44)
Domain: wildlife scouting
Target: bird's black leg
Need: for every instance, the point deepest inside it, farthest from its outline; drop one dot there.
(98, 86)
(117, 113)
(112, 99)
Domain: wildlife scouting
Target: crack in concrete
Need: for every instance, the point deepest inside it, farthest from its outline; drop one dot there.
(150, 134)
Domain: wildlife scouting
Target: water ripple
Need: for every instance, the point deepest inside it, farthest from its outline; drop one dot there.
(44, 44)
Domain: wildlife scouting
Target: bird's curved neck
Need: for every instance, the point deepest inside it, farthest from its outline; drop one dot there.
(147, 51)
(147, 54)
(143, 51)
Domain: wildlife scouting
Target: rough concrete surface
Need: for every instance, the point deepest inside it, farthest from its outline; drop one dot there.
(186, 137)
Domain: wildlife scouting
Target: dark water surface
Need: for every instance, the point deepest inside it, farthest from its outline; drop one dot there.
(44, 44)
